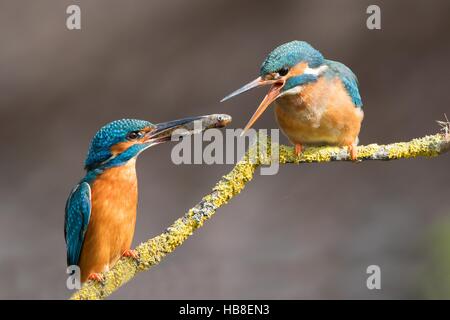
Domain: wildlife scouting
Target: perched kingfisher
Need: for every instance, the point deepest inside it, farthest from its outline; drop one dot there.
(101, 210)
(316, 100)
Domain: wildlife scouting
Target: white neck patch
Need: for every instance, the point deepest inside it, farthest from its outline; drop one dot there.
(292, 91)
(315, 71)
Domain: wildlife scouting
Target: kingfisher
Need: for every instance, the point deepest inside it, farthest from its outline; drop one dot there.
(100, 212)
(317, 101)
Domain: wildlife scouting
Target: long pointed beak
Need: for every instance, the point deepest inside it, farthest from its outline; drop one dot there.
(272, 95)
(258, 82)
(163, 131)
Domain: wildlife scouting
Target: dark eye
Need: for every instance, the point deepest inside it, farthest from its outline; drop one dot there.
(283, 71)
(134, 135)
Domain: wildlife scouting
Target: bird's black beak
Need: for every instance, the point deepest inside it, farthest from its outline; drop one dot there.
(163, 132)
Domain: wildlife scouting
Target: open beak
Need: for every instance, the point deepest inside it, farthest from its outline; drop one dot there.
(163, 132)
(272, 95)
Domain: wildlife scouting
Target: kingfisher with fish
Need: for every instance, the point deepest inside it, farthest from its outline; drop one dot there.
(317, 101)
(100, 213)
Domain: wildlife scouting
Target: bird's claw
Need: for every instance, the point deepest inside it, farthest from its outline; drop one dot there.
(353, 151)
(298, 149)
(131, 254)
(96, 277)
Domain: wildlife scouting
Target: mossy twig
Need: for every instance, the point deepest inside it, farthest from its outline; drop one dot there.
(154, 250)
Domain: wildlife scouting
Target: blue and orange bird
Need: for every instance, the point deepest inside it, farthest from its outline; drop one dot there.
(316, 100)
(101, 210)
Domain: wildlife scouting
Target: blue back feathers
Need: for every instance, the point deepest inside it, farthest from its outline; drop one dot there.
(109, 135)
(347, 77)
(290, 54)
(78, 213)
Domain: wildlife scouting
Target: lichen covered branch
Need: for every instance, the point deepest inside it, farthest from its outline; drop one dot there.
(155, 249)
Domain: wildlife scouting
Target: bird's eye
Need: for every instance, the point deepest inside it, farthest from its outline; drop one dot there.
(134, 135)
(283, 71)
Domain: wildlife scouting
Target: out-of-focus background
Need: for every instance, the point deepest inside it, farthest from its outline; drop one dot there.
(308, 232)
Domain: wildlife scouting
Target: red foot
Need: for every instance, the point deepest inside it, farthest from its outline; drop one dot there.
(298, 149)
(96, 277)
(131, 254)
(353, 151)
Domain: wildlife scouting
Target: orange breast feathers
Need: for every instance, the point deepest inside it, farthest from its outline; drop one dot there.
(113, 217)
(321, 113)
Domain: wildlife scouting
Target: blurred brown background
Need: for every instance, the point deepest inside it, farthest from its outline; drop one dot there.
(309, 231)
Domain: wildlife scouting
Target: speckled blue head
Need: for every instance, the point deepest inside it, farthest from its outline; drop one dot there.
(110, 135)
(290, 54)
(277, 65)
(121, 140)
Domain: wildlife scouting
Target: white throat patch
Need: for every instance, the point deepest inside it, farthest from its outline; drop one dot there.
(292, 91)
(315, 71)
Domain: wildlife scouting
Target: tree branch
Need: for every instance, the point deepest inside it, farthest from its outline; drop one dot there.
(155, 249)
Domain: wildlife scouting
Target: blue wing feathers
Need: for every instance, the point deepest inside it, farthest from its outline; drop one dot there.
(78, 212)
(348, 78)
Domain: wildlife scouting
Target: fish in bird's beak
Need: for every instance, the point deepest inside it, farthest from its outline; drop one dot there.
(273, 94)
(163, 132)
